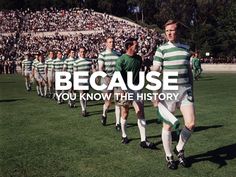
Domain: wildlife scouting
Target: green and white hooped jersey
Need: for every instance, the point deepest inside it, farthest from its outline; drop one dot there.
(69, 64)
(174, 57)
(108, 60)
(27, 65)
(83, 64)
(57, 65)
(48, 64)
(35, 62)
(41, 68)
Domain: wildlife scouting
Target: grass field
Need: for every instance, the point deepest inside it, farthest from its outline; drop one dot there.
(39, 138)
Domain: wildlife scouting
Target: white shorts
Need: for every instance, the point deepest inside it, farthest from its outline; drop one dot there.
(106, 81)
(41, 78)
(131, 97)
(28, 73)
(185, 97)
(36, 76)
(50, 76)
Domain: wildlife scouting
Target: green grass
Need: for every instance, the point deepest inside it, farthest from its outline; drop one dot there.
(39, 138)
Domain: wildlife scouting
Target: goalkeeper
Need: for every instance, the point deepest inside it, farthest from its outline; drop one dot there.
(132, 62)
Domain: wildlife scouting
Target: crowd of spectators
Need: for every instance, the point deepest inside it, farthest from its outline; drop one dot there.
(21, 38)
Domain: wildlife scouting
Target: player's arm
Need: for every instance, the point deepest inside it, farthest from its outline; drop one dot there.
(118, 67)
(33, 70)
(46, 68)
(36, 69)
(157, 63)
(53, 67)
(23, 68)
(64, 66)
(100, 63)
(75, 68)
(93, 68)
(190, 75)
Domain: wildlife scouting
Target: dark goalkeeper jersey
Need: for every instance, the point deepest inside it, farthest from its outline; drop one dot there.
(127, 63)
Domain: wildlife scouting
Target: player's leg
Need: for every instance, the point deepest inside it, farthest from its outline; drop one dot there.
(117, 114)
(166, 131)
(189, 122)
(83, 103)
(123, 121)
(31, 80)
(138, 107)
(45, 86)
(167, 145)
(198, 73)
(41, 87)
(139, 110)
(26, 83)
(117, 111)
(26, 76)
(51, 81)
(106, 105)
(107, 101)
(36, 83)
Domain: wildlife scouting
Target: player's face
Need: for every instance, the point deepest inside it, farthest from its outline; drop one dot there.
(110, 43)
(171, 32)
(41, 59)
(82, 53)
(51, 55)
(59, 55)
(72, 54)
(134, 47)
(27, 57)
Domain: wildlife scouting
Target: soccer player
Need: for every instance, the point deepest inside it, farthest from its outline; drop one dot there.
(174, 56)
(49, 73)
(196, 65)
(27, 71)
(132, 62)
(106, 62)
(68, 66)
(86, 65)
(35, 73)
(40, 69)
(57, 66)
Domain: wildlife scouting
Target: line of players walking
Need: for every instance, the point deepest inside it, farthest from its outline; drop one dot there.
(171, 56)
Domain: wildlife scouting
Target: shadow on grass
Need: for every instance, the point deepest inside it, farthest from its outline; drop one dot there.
(91, 113)
(11, 100)
(149, 137)
(206, 78)
(96, 104)
(218, 156)
(111, 110)
(201, 128)
(175, 134)
(7, 82)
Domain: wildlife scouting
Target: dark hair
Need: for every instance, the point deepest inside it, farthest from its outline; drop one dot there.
(72, 49)
(82, 47)
(109, 37)
(58, 51)
(129, 42)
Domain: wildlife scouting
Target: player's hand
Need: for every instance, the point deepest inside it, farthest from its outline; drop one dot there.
(155, 101)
